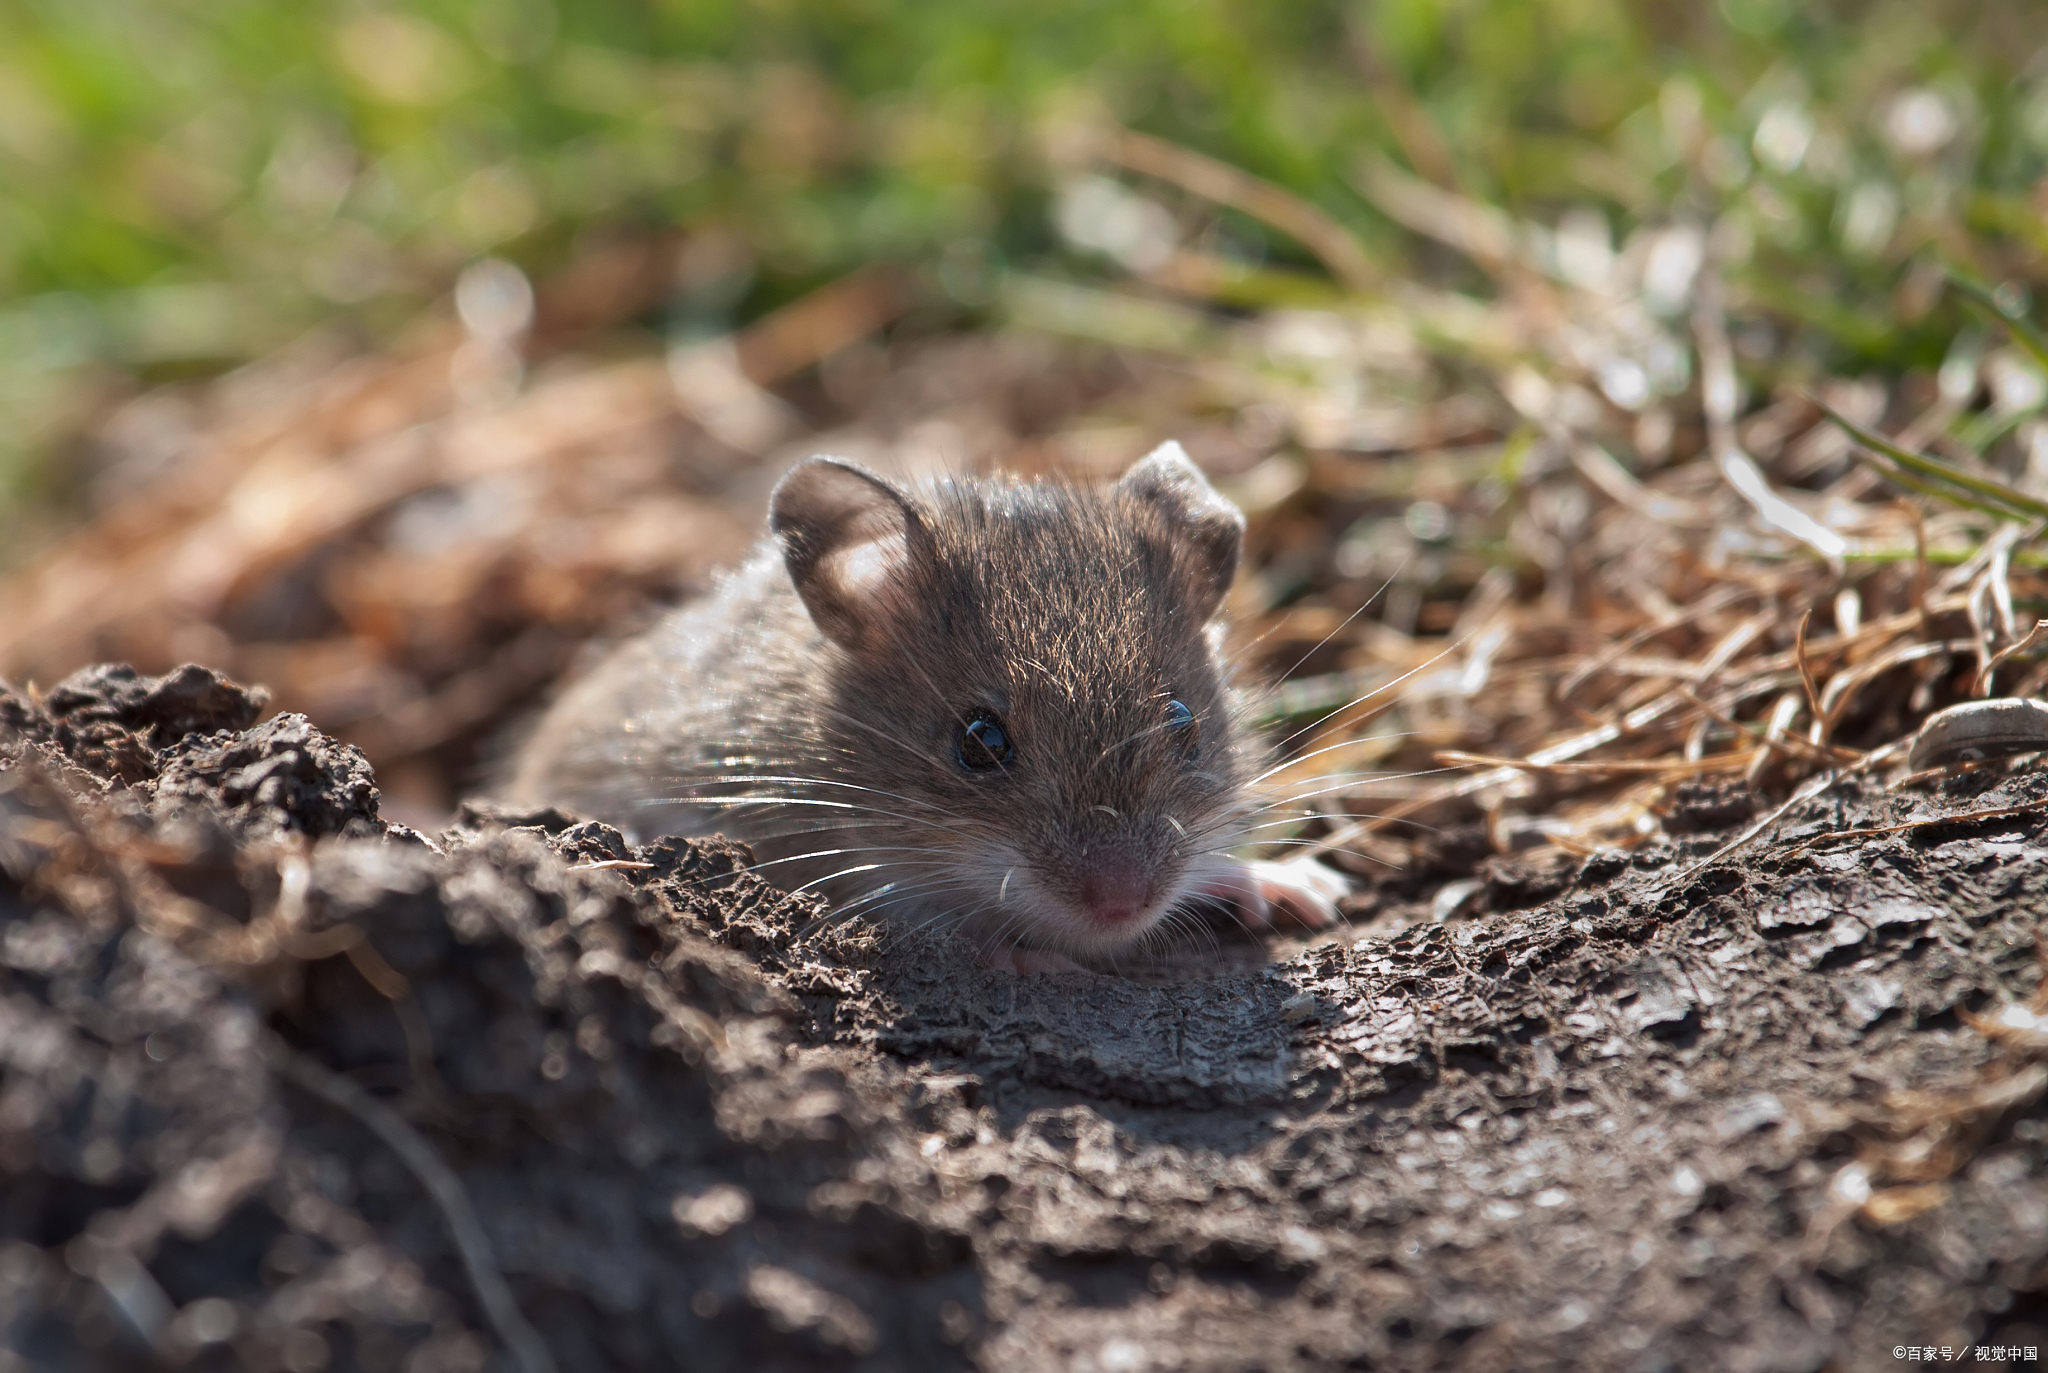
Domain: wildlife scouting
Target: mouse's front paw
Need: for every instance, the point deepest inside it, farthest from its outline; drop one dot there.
(1298, 892)
(1009, 958)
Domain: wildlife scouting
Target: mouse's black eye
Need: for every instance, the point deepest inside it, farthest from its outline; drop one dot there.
(984, 743)
(1182, 727)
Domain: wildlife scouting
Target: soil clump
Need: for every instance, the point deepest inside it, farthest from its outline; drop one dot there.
(290, 1087)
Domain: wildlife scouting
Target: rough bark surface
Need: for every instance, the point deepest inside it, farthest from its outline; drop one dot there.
(1639, 1111)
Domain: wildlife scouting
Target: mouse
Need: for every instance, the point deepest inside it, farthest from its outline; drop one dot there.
(989, 704)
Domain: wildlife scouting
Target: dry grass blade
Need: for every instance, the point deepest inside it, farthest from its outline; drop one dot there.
(1813, 787)
(1982, 686)
(1479, 231)
(1658, 767)
(815, 326)
(1308, 225)
(1716, 599)
(1841, 689)
(1806, 678)
(1748, 481)
(1970, 817)
(1805, 750)
(1422, 142)
(1720, 393)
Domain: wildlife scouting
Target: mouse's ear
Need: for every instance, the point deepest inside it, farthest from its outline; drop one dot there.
(1208, 531)
(848, 538)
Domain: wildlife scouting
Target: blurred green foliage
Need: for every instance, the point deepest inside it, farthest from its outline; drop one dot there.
(188, 183)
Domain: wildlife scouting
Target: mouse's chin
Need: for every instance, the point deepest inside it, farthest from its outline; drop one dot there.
(1072, 931)
(997, 896)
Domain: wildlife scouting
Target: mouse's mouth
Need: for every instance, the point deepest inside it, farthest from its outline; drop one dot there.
(1098, 911)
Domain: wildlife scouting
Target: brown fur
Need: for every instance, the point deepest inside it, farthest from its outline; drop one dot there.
(812, 704)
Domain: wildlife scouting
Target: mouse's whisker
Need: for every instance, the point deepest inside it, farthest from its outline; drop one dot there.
(1202, 932)
(916, 861)
(957, 921)
(1166, 932)
(843, 873)
(1227, 837)
(887, 904)
(1303, 803)
(847, 852)
(1343, 624)
(1311, 844)
(800, 780)
(857, 818)
(929, 686)
(786, 774)
(1196, 925)
(1246, 832)
(1283, 808)
(1379, 690)
(968, 922)
(924, 880)
(1327, 803)
(705, 787)
(767, 842)
(1345, 777)
(1407, 823)
(1298, 759)
(764, 826)
(1136, 736)
(775, 798)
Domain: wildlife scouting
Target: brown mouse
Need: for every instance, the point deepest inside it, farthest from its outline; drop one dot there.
(995, 704)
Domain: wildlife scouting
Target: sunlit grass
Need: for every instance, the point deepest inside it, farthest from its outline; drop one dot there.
(188, 185)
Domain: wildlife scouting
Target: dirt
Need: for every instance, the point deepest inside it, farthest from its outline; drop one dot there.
(264, 1053)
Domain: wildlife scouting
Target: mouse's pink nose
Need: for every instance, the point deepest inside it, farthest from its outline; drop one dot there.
(1115, 896)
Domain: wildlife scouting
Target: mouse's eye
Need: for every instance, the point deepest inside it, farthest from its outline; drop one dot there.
(984, 743)
(1182, 727)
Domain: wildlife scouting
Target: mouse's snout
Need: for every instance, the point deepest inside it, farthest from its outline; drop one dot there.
(1117, 893)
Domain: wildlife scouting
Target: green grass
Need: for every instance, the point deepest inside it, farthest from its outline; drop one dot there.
(185, 184)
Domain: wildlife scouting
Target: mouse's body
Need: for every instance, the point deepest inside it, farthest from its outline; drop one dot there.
(988, 703)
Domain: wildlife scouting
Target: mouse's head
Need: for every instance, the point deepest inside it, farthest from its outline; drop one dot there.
(1028, 675)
